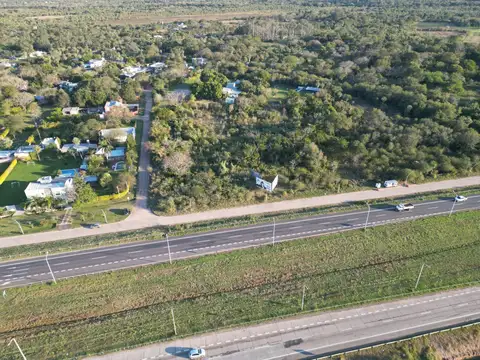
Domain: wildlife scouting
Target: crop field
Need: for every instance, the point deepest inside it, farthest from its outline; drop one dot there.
(121, 309)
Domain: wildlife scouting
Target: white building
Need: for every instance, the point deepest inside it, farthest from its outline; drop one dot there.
(131, 71)
(24, 152)
(48, 141)
(45, 187)
(119, 134)
(94, 63)
(232, 91)
(36, 54)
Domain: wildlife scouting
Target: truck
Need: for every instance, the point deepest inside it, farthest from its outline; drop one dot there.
(404, 207)
(390, 183)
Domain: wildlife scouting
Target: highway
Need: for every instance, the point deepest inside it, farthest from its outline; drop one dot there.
(323, 334)
(35, 270)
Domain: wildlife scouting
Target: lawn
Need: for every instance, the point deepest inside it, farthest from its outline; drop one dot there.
(12, 190)
(278, 92)
(126, 308)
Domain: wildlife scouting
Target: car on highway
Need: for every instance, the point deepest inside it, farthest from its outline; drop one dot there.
(93, 226)
(404, 207)
(197, 354)
(460, 198)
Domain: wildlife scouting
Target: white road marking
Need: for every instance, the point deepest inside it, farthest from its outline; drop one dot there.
(25, 269)
(201, 241)
(134, 252)
(63, 263)
(234, 236)
(380, 215)
(295, 227)
(431, 208)
(352, 219)
(99, 257)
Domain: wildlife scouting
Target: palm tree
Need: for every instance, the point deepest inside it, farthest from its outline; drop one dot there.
(105, 145)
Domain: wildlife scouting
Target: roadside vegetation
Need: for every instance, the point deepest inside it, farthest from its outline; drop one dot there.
(456, 344)
(93, 214)
(127, 308)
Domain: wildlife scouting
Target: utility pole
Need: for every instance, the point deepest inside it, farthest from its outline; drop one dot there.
(453, 205)
(174, 325)
(273, 238)
(21, 352)
(105, 216)
(303, 296)
(169, 254)
(368, 215)
(51, 272)
(20, 226)
(419, 275)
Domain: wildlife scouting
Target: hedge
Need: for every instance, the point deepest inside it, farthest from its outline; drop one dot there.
(113, 196)
(4, 134)
(7, 172)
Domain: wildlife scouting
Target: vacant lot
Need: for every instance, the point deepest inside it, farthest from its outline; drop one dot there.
(132, 307)
(142, 18)
(12, 190)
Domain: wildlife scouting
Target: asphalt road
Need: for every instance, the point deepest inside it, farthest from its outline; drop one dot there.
(321, 335)
(24, 272)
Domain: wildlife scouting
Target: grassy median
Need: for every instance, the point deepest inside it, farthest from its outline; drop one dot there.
(127, 308)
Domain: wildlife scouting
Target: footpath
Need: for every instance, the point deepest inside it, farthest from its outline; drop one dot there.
(142, 217)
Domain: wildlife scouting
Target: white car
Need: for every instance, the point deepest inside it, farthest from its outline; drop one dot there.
(196, 354)
(460, 198)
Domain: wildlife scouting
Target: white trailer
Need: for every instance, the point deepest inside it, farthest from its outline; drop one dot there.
(390, 183)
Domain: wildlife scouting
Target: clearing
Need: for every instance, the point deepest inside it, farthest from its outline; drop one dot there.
(115, 310)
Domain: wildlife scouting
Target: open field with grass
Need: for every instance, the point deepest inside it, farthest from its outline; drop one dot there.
(12, 190)
(131, 307)
(455, 344)
(278, 92)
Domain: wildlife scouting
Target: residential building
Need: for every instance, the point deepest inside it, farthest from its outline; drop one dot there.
(156, 67)
(94, 64)
(117, 154)
(36, 54)
(67, 86)
(131, 71)
(111, 104)
(80, 148)
(200, 61)
(118, 135)
(71, 111)
(6, 154)
(48, 141)
(232, 91)
(46, 186)
(23, 152)
(311, 89)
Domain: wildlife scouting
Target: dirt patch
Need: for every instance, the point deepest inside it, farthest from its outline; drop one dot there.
(46, 17)
(442, 33)
(140, 19)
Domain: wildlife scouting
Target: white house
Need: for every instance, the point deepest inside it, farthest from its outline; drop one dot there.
(119, 134)
(94, 63)
(6, 154)
(200, 61)
(71, 111)
(48, 141)
(46, 186)
(37, 53)
(81, 148)
(131, 71)
(232, 91)
(24, 152)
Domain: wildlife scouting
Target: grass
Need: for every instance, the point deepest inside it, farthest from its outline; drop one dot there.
(127, 308)
(454, 344)
(279, 92)
(155, 233)
(12, 190)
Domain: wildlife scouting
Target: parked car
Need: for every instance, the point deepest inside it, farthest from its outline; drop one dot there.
(390, 183)
(93, 226)
(460, 198)
(126, 212)
(404, 207)
(196, 354)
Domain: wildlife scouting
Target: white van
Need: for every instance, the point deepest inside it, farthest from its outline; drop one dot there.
(390, 183)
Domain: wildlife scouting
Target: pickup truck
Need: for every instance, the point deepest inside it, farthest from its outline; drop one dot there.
(404, 207)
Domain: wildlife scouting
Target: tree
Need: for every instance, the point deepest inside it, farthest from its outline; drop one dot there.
(95, 163)
(83, 191)
(105, 180)
(62, 99)
(23, 99)
(38, 148)
(76, 141)
(123, 180)
(6, 143)
(178, 162)
(15, 123)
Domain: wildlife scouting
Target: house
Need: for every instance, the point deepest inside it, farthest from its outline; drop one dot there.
(24, 152)
(46, 187)
(5, 64)
(156, 67)
(200, 61)
(48, 141)
(94, 64)
(311, 89)
(67, 86)
(158, 36)
(6, 154)
(71, 111)
(111, 104)
(131, 71)
(119, 134)
(115, 155)
(232, 91)
(37, 54)
(80, 148)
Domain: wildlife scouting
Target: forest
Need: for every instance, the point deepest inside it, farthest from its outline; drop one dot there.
(396, 94)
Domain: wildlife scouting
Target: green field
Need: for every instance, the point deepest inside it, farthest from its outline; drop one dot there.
(12, 190)
(278, 92)
(127, 308)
